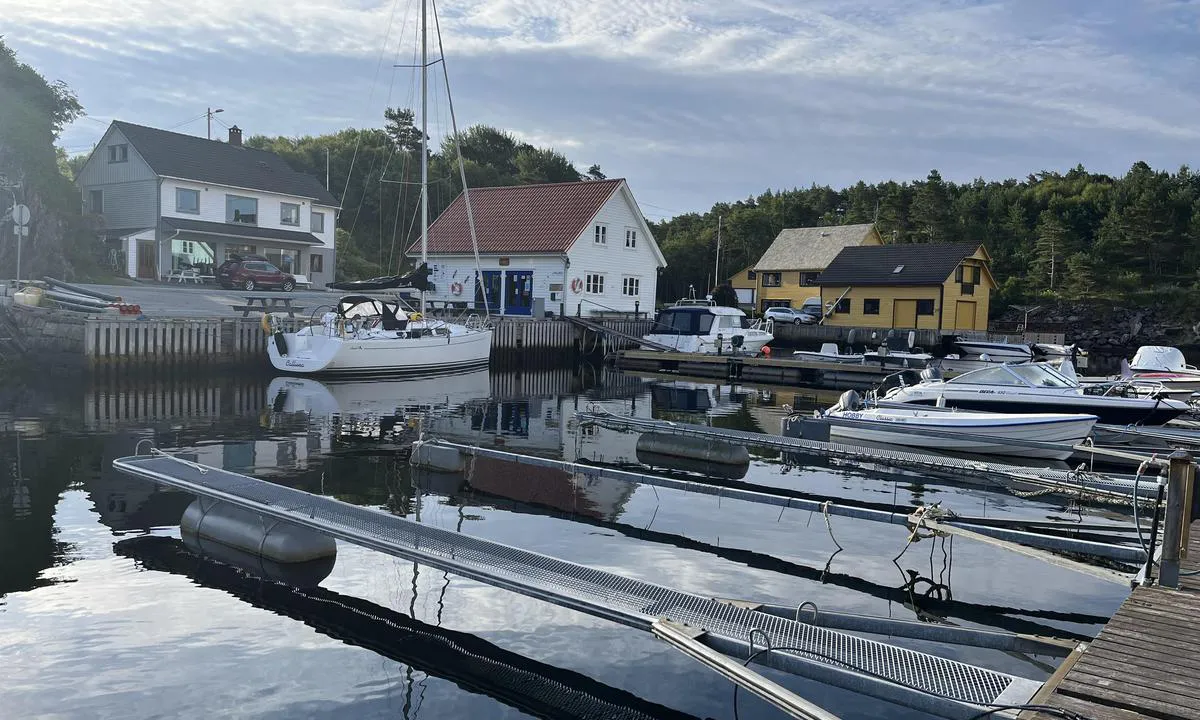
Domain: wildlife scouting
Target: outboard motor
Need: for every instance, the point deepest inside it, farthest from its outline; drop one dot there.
(849, 400)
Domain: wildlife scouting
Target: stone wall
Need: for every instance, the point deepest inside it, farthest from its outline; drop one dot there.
(51, 338)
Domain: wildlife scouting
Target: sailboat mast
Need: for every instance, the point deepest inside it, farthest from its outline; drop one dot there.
(424, 144)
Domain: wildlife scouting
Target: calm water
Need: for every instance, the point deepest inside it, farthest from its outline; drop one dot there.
(104, 612)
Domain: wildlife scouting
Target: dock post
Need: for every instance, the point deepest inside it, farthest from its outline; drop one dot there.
(1180, 477)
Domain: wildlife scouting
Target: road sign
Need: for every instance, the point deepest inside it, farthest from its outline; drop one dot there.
(20, 230)
(21, 214)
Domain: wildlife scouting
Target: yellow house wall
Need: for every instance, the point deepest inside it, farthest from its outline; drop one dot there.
(886, 296)
(790, 289)
(742, 280)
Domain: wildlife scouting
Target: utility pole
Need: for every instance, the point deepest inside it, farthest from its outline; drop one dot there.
(327, 168)
(717, 266)
(209, 112)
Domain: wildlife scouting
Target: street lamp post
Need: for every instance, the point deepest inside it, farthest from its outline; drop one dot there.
(209, 114)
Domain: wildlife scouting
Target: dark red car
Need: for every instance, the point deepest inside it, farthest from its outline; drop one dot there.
(252, 272)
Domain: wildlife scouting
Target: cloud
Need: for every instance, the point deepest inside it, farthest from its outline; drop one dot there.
(743, 94)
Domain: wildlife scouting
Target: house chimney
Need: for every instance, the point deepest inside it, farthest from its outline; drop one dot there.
(235, 136)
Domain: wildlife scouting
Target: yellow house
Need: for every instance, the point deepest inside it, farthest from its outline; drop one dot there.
(936, 286)
(745, 284)
(787, 272)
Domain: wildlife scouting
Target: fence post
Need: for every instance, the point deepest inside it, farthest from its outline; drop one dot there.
(1178, 516)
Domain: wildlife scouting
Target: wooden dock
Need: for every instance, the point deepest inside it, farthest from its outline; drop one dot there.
(743, 368)
(1146, 661)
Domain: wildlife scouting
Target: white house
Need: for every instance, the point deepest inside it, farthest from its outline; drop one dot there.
(578, 247)
(171, 200)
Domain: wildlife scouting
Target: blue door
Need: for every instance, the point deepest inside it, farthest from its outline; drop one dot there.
(518, 293)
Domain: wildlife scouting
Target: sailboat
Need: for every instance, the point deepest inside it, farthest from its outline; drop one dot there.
(367, 335)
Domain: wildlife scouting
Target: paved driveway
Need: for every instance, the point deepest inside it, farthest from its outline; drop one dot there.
(187, 300)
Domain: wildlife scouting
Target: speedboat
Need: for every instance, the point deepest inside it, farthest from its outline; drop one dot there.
(1039, 435)
(1036, 388)
(1165, 365)
(829, 352)
(993, 351)
(701, 326)
(373, 336)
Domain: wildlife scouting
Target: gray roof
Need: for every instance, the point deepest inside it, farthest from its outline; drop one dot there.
(188, 157)
(920, 263)
(234, 230)
(810, 248)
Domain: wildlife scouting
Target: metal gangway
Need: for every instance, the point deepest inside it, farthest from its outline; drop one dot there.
(708, 629)
(602, 329)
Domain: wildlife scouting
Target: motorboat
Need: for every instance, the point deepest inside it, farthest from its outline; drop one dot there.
(1036, 435)
(1037, 388)
(701, 326)
(1165, 365)
(894, 351)
(993, 351)
(829, 352)
(367, 335)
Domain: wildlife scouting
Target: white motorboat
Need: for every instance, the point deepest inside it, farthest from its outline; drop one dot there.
(1167, 366)
(993, 351)
(1037, 388)
(374, 336)
(700, 326)
(1039, 435)
(371, 336)
(829, 352)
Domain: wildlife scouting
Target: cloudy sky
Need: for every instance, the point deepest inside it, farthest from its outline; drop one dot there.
(694, 101)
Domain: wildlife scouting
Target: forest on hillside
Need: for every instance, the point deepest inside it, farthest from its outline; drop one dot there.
(1052, 236)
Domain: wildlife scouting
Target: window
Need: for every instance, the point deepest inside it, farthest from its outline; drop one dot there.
(318, 222)
(594, 284)
(976, 271)
(96, 201)
(630, 238)
(118, 153)
(187, 201)
(899, 269)
(241, 210)
(871, 306)
(968, 289)
(187, 247)
(771, 279)
(768, 304)
(286, 260)
(843, 306)
(751, 275)
(809, 278)
(958, 274)
(629, 286)
(289, 214)
(243, 250)
(316, 263)
(924, 307)
(601, 234)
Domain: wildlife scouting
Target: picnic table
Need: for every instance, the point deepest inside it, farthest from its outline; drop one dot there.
(268, 303)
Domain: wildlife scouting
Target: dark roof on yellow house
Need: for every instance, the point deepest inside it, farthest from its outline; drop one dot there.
(908, 264)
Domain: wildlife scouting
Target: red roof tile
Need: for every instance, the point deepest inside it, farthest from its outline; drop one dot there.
(520, 219)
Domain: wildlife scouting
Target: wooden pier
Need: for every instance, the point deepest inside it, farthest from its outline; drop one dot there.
(744, 368)
(1146, 661)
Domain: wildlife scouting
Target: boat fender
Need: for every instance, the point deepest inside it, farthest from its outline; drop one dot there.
(281, 344)
(849, 400)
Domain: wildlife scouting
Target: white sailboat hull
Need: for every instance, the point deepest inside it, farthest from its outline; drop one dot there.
(376, 397)
(310, 354)
(980, 433)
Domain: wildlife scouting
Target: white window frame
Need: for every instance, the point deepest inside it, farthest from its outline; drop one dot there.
(282, 218)
(312, 222)
(631, 238)
(630, 282)
(179, 192)
(594, 283)
(600, 234)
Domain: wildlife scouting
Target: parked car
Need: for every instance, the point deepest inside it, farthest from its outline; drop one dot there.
(813, 307)
(251, 272)
(789, 315)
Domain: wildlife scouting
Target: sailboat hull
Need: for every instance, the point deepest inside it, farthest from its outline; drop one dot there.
(347, 357)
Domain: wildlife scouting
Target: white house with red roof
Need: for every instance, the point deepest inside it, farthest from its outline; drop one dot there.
(578, 247)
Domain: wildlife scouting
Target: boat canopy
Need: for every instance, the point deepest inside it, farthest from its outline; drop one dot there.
(352, 306)
(699, 320)
(1026, 375)
(1159, 358)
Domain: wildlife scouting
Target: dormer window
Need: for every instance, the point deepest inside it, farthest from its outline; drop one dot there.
(899, 268)
(118, 153)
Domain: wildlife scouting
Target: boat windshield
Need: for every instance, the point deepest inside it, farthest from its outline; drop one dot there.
(1035, 375)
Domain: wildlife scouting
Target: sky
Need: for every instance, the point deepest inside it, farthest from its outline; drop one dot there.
(694, 102)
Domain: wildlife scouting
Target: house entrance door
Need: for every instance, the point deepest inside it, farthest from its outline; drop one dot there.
(904, 314)
(147, 260)
(518, 293)
(491, 284)
(964, 315)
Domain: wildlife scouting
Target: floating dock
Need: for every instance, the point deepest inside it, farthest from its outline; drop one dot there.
(746, 368)
(710, 627)
(1144, 663)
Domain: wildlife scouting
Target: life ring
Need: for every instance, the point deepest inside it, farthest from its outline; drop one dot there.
(576, 285)
(456, 288)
